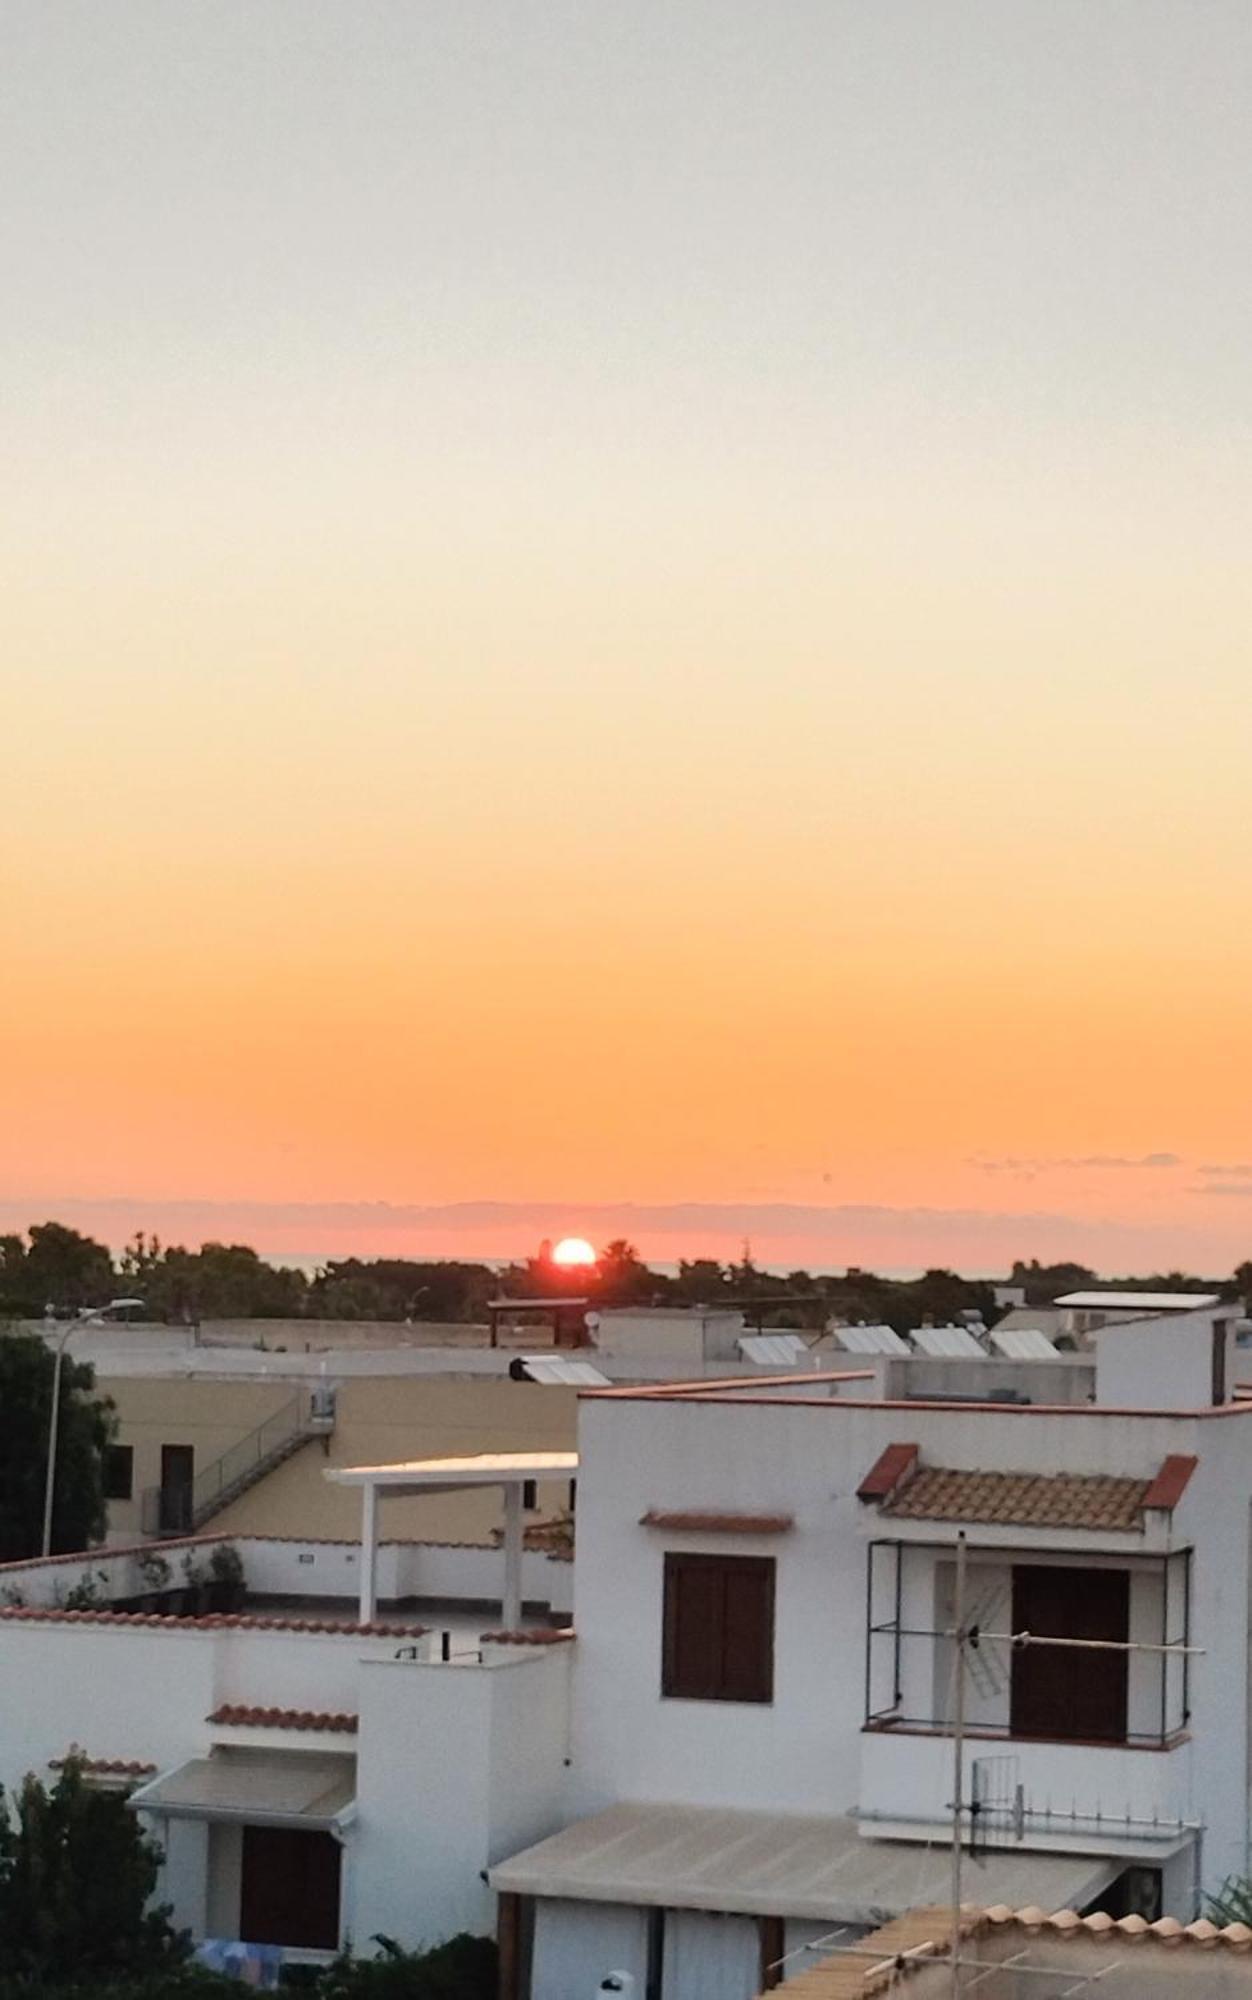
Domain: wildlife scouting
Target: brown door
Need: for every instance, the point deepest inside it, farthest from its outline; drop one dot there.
(1079, 1695)
(289, 1892)
(178, 1469)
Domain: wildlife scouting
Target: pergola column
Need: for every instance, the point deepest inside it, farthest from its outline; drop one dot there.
(511, 1607)
(369, 1553)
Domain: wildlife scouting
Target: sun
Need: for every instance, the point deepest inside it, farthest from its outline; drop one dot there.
(572, 1251)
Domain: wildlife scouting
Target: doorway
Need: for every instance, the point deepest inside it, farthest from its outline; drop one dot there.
(289, 1888)
(1076, 1696)
(178, 1471)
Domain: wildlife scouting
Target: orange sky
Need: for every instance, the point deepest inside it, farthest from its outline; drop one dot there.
(590, 662)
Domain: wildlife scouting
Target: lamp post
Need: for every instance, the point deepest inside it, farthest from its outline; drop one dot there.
(85, 1315)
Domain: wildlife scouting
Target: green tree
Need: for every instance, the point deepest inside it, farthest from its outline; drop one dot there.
(77, 1877)
(55, 1267)
(218, 1281)
(85, 1426)
(625, 1279)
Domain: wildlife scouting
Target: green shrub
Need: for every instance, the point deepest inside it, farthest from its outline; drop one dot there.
(462, 1969)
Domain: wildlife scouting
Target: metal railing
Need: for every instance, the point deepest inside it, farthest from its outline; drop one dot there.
(180, 1509)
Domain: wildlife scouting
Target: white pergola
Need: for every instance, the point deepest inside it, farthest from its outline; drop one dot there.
(510, 1470)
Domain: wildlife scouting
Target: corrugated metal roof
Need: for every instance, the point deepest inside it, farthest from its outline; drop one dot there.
(869, 1340)
(1023, 1343)
(264, 1786)
(775, 1864)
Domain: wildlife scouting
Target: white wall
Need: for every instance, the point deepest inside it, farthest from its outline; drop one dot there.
(1164, 1363)
(457, 1767)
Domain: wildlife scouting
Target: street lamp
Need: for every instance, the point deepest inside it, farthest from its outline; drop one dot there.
(84, 1315)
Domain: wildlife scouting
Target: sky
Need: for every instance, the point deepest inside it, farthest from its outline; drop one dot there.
(629, 615)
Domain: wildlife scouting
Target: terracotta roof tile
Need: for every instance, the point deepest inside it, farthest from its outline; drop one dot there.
(103, 1767)
(887, 1471)
(27, 1614)
(541, 1635)
(1171, 1482)
(877, 1959)
(719, 1524)
(239, 1716)
(1020, 1499)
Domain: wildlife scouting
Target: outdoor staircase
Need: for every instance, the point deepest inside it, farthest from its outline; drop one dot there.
(184, 1510)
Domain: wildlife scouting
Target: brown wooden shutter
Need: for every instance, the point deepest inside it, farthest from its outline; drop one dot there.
(748, 1630)
(718, 1628)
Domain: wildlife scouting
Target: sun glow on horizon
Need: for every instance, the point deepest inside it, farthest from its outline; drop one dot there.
(573, 1252)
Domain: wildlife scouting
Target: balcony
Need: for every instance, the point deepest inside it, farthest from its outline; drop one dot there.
(1076, 1694)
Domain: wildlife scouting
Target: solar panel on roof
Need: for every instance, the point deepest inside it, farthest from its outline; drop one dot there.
(869, 1340)
(552, 1368)
(779, 1350)
(1023, 1343)
(948, 1343)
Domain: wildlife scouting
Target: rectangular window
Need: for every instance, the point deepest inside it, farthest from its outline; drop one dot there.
(1076, 1696)
(119, 1471)
(718, 1628)
(530, 1495)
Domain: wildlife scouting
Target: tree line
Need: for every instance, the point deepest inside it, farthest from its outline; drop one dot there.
(52, 1266)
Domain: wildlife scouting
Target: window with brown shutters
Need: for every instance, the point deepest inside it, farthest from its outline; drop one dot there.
(718, 1628)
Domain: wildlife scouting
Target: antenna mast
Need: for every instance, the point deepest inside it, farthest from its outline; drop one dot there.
(958, 1759)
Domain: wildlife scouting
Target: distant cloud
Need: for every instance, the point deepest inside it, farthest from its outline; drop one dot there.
(782, 1234)
(1104, 1162)
(1235, 1170)
(1240, 1190)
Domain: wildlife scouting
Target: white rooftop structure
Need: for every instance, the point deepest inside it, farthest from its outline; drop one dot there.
(511, 1470)
(1148, 1302)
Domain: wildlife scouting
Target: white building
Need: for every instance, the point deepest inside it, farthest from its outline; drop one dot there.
(312, 1779)
(749, 1746)
(762, 1747)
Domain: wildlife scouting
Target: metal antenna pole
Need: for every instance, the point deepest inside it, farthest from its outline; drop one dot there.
(958, 1757)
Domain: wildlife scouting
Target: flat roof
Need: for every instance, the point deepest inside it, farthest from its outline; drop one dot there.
(777, 1864)
(1149, 1301)
(485, 1468)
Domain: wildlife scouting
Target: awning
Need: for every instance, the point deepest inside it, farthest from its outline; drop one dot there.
(780, 1865)
(263, 1787)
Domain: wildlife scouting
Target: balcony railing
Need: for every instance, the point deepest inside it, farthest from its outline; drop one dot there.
(1020, 1686)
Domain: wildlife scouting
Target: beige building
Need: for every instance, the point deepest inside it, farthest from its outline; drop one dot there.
(170, 1426)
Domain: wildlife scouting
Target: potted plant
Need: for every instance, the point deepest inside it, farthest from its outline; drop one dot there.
(226, 1578)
